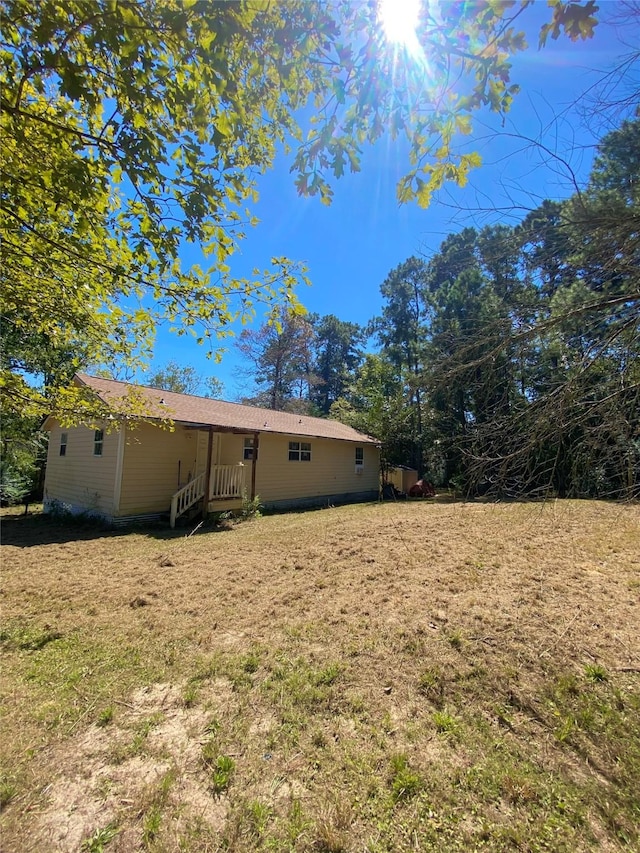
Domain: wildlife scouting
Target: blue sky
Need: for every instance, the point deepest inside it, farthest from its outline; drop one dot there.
(351, 246)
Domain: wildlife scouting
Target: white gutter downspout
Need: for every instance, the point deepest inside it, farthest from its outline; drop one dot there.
(117, 486)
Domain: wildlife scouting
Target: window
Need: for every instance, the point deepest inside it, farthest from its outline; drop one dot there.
(63, 443)
(250, 450)
(299, 451)
(98, 441)
(360, 456)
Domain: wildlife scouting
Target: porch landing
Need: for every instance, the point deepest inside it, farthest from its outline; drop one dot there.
(226, 487)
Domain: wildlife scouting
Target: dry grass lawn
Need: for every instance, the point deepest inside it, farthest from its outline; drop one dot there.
(394, 677)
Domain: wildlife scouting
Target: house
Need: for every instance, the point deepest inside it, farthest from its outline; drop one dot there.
(132, 469)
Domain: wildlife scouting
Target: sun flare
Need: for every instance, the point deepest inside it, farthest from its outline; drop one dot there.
(399, 19)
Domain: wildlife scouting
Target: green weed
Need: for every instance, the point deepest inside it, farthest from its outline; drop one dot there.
(190, 694)
(386, 724)
(105, 716)
(431, 684)
(151, 826)
(153, 809)
(222, 770)
(595, 672)
(213, 726)
(405, 782)
(297, 823)
(257, 816)
(455, 639)
(445, 723)
(251, 662)
(328, 675)
(251, 507)
(100, 839)
(319, 739)
(65, 683)
(7, 790)
(564, 729)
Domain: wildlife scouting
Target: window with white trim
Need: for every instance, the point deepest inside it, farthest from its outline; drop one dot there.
(299, 451)
(98, 442)
(360, 456)
(64, 438)
(250, 450)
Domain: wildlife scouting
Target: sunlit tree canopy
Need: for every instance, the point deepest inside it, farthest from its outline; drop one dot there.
(132, 129)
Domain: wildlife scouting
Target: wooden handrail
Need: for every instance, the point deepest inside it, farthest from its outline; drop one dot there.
(227, 481)
(185, 497)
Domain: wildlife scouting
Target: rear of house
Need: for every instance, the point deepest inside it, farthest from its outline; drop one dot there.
(222, 452)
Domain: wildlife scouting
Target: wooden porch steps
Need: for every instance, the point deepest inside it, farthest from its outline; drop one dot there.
(226, 483)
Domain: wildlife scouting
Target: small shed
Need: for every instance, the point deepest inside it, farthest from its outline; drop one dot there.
(401, 477)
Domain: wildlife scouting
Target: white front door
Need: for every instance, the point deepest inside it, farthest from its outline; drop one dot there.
(202, 448)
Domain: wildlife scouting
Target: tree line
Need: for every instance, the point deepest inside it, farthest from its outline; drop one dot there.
(507, 361)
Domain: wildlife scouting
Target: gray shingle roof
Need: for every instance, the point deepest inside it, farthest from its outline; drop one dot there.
(189, 409)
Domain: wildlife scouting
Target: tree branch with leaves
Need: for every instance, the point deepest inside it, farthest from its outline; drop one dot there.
(132, 129)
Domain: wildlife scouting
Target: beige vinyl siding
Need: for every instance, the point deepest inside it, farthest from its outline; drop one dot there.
(81, 481)
(150, 467)
(331, 471)
(231, 449)
(157, 462)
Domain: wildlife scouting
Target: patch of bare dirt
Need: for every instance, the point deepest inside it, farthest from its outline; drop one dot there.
(95, 786)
